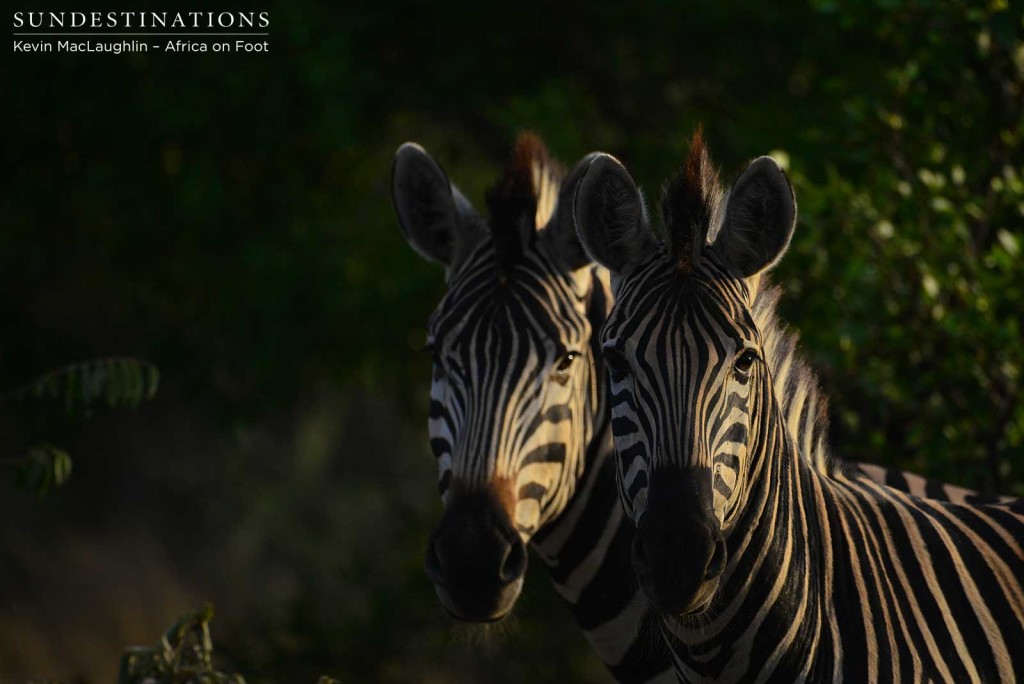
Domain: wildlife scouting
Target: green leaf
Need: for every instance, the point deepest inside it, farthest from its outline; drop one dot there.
(118, 381)
(43, 467)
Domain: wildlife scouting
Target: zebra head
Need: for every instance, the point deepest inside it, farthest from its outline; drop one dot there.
(685, 357)
(514, 387)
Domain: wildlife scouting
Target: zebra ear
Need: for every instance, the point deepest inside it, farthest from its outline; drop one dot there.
(561, 231)
(427, 204)
(760, 216)
(609, 214)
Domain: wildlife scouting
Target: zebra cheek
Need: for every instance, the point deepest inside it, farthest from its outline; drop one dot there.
(728, 483)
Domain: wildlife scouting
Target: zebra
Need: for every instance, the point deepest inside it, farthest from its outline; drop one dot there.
(518, 418)
(766, 556)
(593, 525)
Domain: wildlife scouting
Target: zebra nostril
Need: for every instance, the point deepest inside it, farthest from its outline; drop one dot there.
(716, 565)
(514, 564)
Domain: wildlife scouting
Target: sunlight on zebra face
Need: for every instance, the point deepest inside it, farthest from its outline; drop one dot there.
(513, 383)
(685, 358)
(512, 366)
(680, 365)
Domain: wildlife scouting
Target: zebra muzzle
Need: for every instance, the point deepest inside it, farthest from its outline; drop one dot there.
(679, 552)
(476, 559)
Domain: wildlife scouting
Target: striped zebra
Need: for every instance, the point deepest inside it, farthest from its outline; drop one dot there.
(767, 557)
(519, 422)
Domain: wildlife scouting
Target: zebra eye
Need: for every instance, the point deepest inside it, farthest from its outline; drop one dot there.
(744, 363)
(561, 374)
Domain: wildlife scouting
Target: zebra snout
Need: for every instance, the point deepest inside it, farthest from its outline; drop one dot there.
(476, 560)
(679, 552)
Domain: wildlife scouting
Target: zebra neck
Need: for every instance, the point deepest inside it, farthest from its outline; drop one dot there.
(587, 555)
(831, 578)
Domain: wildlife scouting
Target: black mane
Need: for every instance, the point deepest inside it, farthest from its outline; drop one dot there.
(689, 202)
(512, 202)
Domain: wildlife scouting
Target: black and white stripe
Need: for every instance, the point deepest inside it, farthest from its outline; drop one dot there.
(518, 396)
(767, 557)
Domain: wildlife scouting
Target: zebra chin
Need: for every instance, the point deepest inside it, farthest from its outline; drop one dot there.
(480, 609)
(678, 584)
(671, 602)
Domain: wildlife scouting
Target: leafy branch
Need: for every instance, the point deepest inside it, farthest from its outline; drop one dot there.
(184, 655)
(119, 381)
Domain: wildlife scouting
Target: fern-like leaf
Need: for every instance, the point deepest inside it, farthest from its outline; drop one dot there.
(43, 467)
(118, 381)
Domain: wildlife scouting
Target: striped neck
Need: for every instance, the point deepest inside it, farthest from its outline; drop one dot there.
(803, 407)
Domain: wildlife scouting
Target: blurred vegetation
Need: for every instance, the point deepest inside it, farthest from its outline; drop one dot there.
(228, 217)
(184, 654)
(906, 278)
(117, 382)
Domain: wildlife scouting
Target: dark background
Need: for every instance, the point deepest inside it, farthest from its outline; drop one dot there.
(229, 218)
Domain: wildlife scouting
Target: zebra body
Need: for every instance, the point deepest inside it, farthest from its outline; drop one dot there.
(768, 558)
(926, 488)
(519, 421)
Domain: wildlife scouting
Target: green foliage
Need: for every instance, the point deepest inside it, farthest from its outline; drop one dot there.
(906, 274)
(184, 655)
(119, 382)
(43, 467)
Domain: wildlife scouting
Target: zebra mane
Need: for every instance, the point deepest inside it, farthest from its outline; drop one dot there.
(689, 203)
(804, 404)
(523, 199)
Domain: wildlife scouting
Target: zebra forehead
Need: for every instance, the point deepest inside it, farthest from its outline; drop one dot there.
(660, 295)
(531, 299)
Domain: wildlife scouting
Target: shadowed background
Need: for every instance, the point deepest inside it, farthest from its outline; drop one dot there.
(229, 218)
